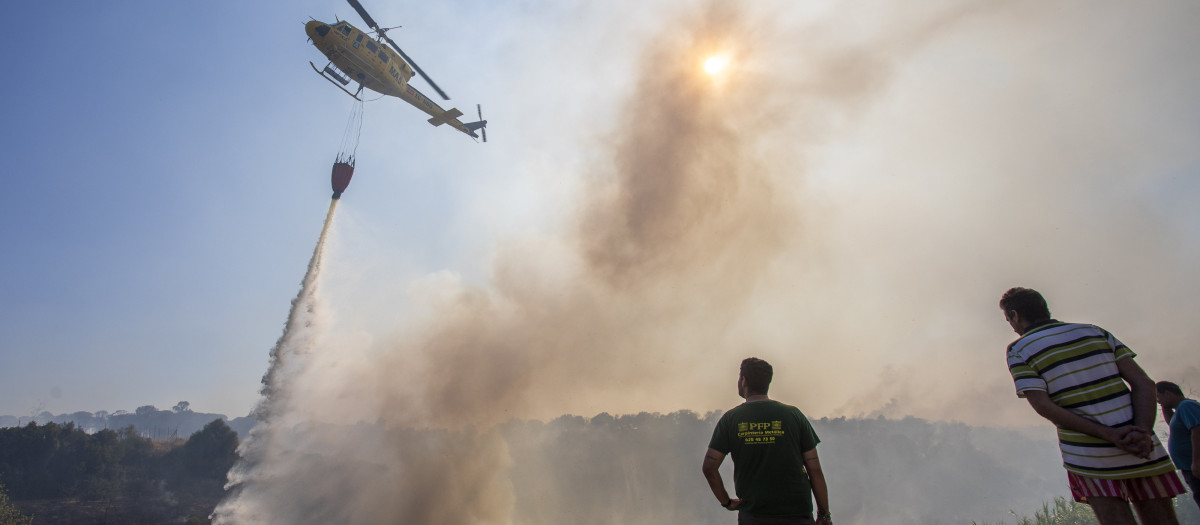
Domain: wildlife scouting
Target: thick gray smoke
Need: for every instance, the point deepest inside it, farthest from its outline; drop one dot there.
(827, 205)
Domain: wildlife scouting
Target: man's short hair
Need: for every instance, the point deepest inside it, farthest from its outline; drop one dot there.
(1028, 303)
(757, 374)
(1167, 386)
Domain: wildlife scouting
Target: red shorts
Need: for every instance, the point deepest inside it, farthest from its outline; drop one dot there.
(1132, 489)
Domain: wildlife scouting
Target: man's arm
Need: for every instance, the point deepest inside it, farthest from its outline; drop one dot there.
(1142, 391)
(1041, 403)
(819, 488)
(1195, 449)
(712, 463)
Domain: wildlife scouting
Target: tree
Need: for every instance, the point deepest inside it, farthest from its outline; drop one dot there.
(181, 407)
(9, 514)
(212, 451)
(203, 462)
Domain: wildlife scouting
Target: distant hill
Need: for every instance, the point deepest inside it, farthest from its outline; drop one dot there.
(148, 421)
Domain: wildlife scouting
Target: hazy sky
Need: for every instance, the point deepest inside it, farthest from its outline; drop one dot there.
(848, 202)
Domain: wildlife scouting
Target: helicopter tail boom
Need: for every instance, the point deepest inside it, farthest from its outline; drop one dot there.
(439, 116)
(447, 116)
(451, 115)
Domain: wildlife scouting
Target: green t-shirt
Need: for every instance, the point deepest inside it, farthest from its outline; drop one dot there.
(767, 440)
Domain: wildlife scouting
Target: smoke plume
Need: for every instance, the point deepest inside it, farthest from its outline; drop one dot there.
(824, 206)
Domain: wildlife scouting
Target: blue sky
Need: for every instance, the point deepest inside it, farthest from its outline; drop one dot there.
(170, 171)
(167, 167)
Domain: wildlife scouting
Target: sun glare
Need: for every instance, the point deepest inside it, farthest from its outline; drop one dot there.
(715, 64)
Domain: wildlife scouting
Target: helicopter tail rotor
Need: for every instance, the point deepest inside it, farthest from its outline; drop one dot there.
(483, 128)
(480, 124)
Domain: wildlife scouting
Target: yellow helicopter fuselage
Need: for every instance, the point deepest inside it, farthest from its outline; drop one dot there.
(375, 66)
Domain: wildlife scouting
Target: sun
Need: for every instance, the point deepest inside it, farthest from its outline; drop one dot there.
(715, 64)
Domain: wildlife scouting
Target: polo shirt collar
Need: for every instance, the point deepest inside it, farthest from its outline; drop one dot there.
(1038, 326)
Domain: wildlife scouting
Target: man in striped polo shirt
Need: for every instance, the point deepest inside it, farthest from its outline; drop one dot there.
(1086, 382)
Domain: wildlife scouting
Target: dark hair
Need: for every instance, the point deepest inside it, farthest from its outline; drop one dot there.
(757, 374)
(1167, 386)
(1028, 303)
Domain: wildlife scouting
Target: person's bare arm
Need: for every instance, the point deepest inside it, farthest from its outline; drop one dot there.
(1141, 389)
(712, 463)
(820, 489)
(1063, 418)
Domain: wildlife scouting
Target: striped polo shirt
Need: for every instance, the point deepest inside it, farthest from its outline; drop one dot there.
(1076, 364)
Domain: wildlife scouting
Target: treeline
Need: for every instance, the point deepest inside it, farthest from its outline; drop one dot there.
(638, 469)
(178, 422)
(645, 468)
(61, 474)
(894, 471)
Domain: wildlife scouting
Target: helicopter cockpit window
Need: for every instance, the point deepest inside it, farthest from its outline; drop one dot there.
(371, 46)
(345, 29)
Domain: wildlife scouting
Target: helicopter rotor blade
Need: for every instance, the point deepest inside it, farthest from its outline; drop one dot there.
(363, 13)
(383, 34)
(415, 66)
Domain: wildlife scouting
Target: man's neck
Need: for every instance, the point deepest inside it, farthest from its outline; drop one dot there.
(756, 397)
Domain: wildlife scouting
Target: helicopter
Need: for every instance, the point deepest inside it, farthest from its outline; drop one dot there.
(355, 56)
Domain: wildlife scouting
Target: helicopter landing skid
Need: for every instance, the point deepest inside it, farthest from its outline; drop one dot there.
(335, 83)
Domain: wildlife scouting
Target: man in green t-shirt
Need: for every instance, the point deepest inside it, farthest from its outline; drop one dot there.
(776, 472)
